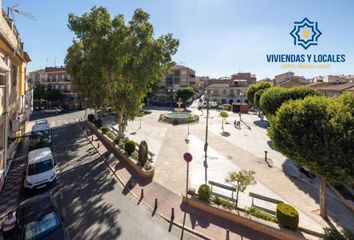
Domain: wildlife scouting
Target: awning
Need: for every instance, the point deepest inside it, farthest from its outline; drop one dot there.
(3, 67)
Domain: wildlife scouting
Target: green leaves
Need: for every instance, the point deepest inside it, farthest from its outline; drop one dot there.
(272, 98)
(115, 63)
(185, 93)
(241, 180)
(254, 88)
(317, 134)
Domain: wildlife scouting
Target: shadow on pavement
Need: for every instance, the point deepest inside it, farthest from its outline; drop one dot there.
(310, 187)
(262, 124)
(83, 182)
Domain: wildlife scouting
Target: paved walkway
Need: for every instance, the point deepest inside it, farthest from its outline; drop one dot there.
(208, 226)
(237, 149)
(9, 196)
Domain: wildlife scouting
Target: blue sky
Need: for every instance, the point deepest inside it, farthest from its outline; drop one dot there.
(217, 37)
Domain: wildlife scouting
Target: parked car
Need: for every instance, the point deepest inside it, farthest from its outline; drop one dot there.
(40, 218)
(40, 171)
(52, 110)
(41, 136)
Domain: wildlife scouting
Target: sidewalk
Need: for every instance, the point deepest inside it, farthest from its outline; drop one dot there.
(207, 226)
(9, 196)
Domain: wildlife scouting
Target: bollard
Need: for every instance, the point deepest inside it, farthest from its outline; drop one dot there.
(155, 204)
(98, 145)
(172, 213)
(142, 194)
(265, 155)
(227, 234)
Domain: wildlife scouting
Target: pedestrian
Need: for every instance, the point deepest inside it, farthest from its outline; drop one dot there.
(235, 123)
(9, 226)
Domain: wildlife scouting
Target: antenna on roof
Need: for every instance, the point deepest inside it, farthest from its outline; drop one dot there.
(15, 10)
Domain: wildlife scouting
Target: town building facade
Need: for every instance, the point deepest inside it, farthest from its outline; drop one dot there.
(57, 78)
(14, 105)
(177, 77)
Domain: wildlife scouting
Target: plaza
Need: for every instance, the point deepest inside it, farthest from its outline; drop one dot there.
(231, 150)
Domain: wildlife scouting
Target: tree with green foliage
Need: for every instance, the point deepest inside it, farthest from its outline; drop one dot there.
(223, 115)
(251, 91)
(39, 91)
(257, 97)
(240, 181)
(317, 133)
(274, 97)
(185, 93)
(115, 62)
(52, 95)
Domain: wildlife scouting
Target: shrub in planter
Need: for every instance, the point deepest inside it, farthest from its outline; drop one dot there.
(99, 123)
(116, 140)
(129, 147)
(121, 145)
(217, 201)
(204, 192)
(332, 234)
(143, 152)
(287, 216)
(260, 214)
(104, 130)
(227, 204)
(147, 166)
(91, 117)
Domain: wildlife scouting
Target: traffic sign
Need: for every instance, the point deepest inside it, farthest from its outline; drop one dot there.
(187, 157)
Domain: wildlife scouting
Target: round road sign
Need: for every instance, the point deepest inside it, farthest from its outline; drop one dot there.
(187, 157)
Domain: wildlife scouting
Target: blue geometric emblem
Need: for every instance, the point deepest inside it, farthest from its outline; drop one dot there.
(305, 33)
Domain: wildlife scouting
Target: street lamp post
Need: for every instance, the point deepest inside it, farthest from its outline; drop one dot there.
(206, 139)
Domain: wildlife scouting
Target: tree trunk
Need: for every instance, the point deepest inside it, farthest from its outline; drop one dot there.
(237, 192)
(323, 205)
(120, 124)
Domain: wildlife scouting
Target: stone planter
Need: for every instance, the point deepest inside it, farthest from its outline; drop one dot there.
(120, 154)
(241, 218)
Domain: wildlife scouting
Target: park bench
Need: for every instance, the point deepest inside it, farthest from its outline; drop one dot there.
(264, 198)
(223, 186)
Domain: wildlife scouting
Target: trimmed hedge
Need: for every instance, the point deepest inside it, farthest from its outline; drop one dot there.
(129, 147)
(204, 192)
(287, 216)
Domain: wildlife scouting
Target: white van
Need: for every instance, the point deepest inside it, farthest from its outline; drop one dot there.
(40, 170)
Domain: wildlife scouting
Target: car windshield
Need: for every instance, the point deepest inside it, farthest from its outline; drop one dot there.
(37, 136)
(39, 167)
(40, 227)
